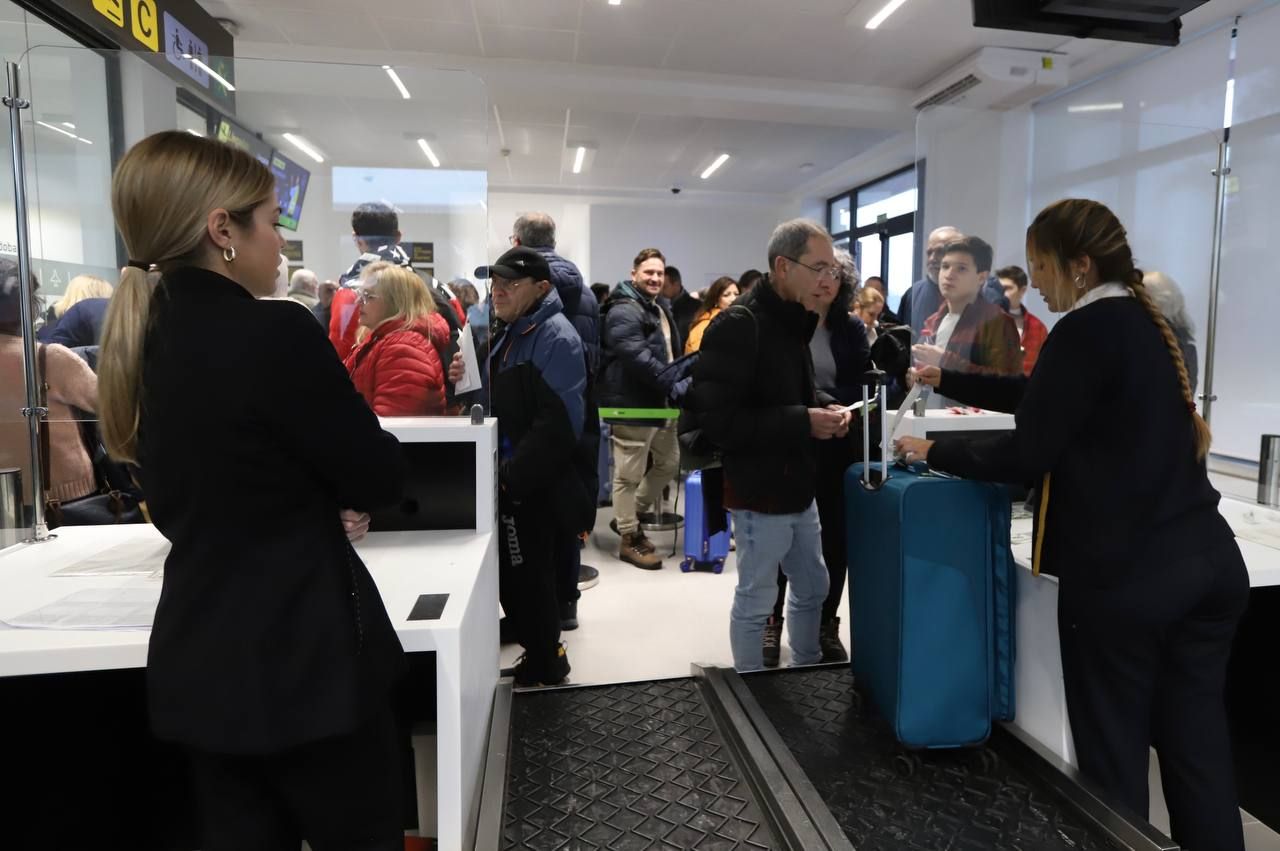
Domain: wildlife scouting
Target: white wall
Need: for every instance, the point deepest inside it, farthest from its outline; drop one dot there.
(603, 234)
(457, 231)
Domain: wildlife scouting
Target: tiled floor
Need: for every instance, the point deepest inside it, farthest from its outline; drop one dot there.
(641, 625)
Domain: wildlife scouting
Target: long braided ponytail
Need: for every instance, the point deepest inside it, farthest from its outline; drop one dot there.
(1076, 228)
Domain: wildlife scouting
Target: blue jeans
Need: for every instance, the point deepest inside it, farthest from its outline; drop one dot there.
(766, 541)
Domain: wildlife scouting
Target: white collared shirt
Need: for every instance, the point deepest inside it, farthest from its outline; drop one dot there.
(1100, 292)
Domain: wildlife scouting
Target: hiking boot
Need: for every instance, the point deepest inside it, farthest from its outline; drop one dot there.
(829, 639)
(772, 642)
(528, 673)
(569, 616)
(637, 550)
(588, 577)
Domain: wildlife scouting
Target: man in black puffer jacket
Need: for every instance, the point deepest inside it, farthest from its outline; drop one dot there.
(538, 231)
(640, 341)
(754, 394)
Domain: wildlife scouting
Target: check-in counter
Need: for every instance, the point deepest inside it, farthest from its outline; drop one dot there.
(454, 567)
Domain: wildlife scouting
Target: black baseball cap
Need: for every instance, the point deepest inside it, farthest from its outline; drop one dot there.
(520, 262)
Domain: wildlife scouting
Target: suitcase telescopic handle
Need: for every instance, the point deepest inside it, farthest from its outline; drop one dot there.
(874, 380)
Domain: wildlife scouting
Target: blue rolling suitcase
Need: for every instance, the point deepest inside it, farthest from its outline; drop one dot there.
(931, 599)
(700, 549)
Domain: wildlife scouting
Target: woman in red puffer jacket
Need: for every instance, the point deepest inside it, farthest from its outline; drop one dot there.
(398, 364)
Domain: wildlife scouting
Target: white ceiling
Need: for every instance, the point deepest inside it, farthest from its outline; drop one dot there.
(791, 88)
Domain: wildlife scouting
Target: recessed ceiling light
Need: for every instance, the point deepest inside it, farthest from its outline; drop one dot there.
(68, 125)
(194, 60)
(431, 155)
(395, 78)
(1096, 107)
(883, 15)
(615, 2)
(714, 167)
(578, 159)
(303, 145)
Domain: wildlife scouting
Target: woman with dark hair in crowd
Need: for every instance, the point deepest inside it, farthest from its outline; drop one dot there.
(841, 356)
(271, 660)
(1151, 581)
(718, 297)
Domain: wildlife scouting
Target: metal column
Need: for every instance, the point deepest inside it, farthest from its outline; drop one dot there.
(33, 412)
(1221, 174)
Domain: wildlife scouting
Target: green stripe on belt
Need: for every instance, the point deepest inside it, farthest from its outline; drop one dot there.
(639, 413)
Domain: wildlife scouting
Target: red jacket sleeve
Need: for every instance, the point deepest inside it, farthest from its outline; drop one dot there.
(344, 322)
(1034, 333)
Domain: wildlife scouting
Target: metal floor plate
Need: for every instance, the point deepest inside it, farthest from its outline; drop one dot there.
(952, 802)
(625, 767)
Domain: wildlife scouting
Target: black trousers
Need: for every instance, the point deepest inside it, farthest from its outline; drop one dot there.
(527, 576)
(833, 461)
(568, 561)
(1144, 664)
(340, 794)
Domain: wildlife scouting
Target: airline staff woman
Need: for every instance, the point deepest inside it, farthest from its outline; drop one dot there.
(271, 659)
(1152, 582)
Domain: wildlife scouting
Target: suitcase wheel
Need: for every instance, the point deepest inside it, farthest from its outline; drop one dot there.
(686, 566)
(907, 764)
(719, 566)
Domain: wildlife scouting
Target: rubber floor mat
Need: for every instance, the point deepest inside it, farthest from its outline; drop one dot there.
(954, 800)
(625, 767)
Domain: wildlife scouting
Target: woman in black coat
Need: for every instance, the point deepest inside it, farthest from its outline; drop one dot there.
(1152, 584)
(841, 356)
(271, 657)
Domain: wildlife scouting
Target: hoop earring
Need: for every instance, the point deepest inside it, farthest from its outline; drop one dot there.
(1079, 279)
(229, 253)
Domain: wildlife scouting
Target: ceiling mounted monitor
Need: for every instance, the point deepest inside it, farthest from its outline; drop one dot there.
(1142, 21)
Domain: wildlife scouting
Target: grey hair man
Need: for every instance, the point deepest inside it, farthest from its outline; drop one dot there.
(304, 288)
(755, 400)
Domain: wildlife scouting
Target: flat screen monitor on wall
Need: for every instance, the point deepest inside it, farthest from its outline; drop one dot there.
(291, 188)
(226, 130)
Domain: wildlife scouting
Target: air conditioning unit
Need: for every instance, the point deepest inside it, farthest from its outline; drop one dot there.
(996, 78)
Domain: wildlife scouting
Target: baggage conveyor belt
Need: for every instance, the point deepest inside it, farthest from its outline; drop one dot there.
(786, 759)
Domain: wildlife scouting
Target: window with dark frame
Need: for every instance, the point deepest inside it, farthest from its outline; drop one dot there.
(876, 222)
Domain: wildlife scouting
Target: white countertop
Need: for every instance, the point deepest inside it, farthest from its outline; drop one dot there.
(439, 429)
(1263, 561)
(403, 564)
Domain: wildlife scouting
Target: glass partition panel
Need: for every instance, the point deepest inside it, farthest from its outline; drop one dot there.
(406, 144)
(411, 142)
(988, 173)
(1245, 381)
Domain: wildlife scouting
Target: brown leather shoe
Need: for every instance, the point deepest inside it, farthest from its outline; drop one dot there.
(637, 550)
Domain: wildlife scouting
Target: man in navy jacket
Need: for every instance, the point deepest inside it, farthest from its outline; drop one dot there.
(582, 309)
(537, 381)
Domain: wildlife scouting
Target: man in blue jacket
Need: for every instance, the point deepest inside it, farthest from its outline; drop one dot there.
(538, 231)
(537, 381)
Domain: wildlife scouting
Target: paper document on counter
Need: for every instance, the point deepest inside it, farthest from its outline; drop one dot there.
(133, 558)
(904, 407)
(871, 406)
(471, 376)
(1260, 526)
(128, 607)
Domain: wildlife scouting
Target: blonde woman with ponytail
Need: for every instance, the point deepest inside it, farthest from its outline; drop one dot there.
(1151, 582)
(271, 657)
